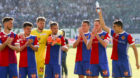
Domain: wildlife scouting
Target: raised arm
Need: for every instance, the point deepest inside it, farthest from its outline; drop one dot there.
(89, 44)
(78, 39)
(84, 38)
(76, 42)
(93, 34)
(103, 25)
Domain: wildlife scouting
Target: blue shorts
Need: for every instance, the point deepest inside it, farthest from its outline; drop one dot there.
(103, 69)
(52, 69)
(10, 70)
(120, 67)
(24, 71)
(81, 68)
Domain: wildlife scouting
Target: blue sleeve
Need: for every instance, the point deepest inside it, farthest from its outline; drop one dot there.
(111, 32)
(76, 37)
(0, 41)
(89, 36)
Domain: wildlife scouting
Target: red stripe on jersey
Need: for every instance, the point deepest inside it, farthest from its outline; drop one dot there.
(23, 55)
(107, 37)
(94, 52)
(115, 47)
(130, 39)
(79, 51)
(36, 41)
(7, 55)
(62, 41)
(4, 60)
(23, 58)
(47, 60)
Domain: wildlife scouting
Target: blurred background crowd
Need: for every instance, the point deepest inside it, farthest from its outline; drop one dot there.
(70, 13)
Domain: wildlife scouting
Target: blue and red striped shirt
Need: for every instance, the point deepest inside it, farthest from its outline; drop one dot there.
(83, 54)
(120, 45)
(7, 55)
(27, 55)
(54, 51)
(98, 51)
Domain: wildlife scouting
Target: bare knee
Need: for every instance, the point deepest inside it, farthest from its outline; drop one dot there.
(56, 75)
(81, 76)
(33, 75)
(14, 77)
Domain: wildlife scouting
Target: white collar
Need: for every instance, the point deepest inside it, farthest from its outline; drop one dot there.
(122, 32)
(100, 32)
(27, 36)
(6, 33)
(86, 32)
(58, 34)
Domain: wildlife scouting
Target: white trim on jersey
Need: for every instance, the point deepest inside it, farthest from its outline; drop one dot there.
(36, 45)
(132, 43)
(65, 46)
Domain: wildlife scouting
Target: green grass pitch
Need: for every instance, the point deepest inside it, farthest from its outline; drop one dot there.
(71, 62)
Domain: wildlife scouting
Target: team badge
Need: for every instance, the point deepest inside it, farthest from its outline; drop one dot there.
(102, 37)
(123, 37)
(31, 40)
(87, 36)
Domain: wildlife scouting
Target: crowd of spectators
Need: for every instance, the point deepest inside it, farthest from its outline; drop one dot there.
(70, 13)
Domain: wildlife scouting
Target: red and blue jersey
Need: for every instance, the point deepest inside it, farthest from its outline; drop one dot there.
(98, 51)
(7, 55)
(54, 52)
(120, 45)
(83, 54)
(27, 55)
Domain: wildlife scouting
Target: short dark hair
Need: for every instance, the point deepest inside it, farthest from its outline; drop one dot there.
(6, 19)
(25, 24)
(86, 21)
(40, 19)
(97, 20)
(53, 24)
(118, 23)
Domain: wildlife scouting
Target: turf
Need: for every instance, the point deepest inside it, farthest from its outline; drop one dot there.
(71, 62)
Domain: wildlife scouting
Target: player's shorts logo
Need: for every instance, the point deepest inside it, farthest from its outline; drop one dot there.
(123, 37)
(31, 40)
